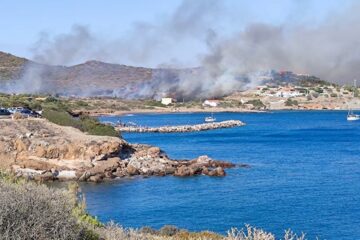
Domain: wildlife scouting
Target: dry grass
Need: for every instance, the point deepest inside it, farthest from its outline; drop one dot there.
(30, 211)
(113, 231)
(251, 233)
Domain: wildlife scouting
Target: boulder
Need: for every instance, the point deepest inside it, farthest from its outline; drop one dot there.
(154, 152)
(131, 170)
(203, 160)
(96, 178)
(110, 164)
(222, 164)
(184, 171)
(220, 172)
(169, 170)
(147, 171)
(109, 175)
(205, 171)
(120, 172)
(85, 176)
(217, 172)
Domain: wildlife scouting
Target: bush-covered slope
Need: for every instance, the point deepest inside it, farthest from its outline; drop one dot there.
(11, 66)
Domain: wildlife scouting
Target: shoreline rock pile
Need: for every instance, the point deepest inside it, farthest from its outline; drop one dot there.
(182, 128)
(151, 161)
(40, 150)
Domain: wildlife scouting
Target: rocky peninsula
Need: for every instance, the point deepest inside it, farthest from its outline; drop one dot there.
(41, 150)
(182, 128)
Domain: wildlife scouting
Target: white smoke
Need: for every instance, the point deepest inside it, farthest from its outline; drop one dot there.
(329, 49)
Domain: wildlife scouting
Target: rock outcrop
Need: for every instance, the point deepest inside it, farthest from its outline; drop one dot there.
(38, 149)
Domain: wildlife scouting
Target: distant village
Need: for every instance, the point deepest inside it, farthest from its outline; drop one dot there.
(302, 95)
(283, 92)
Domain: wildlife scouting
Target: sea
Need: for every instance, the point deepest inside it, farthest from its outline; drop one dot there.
(304, 175)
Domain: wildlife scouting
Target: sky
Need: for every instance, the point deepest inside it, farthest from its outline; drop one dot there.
(24, 23)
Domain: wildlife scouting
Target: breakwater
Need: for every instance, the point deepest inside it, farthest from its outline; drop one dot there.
(181, 128)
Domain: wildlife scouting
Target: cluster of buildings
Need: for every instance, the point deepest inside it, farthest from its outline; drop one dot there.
(208, 102)
(314, 96)
(282, 91)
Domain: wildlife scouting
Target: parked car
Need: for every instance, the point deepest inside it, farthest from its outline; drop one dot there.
(24, 112)
(13, 110)
(4, 112)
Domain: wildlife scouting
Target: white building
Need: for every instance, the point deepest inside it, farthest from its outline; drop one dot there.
(166, 101)
(211, 103)
(287, 94)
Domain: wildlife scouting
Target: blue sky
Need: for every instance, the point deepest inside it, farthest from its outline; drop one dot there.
(22, 21)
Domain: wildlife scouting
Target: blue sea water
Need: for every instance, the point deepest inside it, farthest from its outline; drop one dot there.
(304, 175)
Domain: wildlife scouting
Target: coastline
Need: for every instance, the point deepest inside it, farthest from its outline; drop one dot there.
(40, 150)
(166, 111)
(147, 152)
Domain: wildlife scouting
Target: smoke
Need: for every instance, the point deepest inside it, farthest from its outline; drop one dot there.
(329, 49)
(145, 44)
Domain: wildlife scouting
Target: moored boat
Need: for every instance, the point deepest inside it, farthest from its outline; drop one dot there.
(351, 116)
(210, 118)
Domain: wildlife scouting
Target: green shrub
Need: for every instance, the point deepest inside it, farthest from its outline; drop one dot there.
(94, 127)
(289, 102)
(153, 103)
(86, 124)
(123, 108)
(319, 90)
(257, 103)
(169, 230)
(61, 118)
(81, 103)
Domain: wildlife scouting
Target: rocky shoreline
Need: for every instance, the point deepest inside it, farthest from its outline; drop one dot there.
(40, 150)
(182, 128)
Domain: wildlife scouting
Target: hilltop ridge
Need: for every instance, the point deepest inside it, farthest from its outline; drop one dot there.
(95, 78)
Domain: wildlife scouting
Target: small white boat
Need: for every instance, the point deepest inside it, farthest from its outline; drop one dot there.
(351, 116)
(210, 118)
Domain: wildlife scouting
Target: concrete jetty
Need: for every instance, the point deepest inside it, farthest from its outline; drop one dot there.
(181, 128)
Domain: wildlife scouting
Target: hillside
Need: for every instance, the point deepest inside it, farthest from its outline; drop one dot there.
(95, 78)
(92, 78)
(11, 66)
